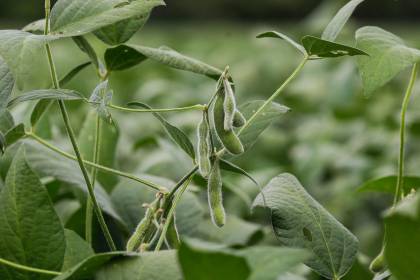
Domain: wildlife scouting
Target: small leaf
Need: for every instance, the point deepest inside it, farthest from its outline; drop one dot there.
(337, 23)
(295, 213)
(77, 250)
(388, 184)
(320, 48)
(31, 233)
(87, 268)
(70, 75)
(6, 121)
(205, 262)
(87, 48)
(122, 57)
(37, 27)
(403, 238)
(229, 166)
(78, 17)
(100, 99)
(163, 55)
(15, 134)
(177, 135)
(275, 34)
(250, 134)
(6, 84)
(41, 94)
(388, 56)
(121, 32)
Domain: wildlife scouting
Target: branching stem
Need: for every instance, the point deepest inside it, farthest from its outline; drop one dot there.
(28, 268)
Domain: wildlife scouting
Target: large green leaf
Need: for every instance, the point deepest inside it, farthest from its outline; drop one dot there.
(176, 134)
(31, 233)
(19, 49)
(161, 265)
(47, 163)
(77, 250)
(163, 55)
(403, 239)
(268, 263)
(388, 184)
(202, 261)
(108, 147)
(388, 56)
(6, 121)
(320, 48)
(337, 23)
(275, 34)
(299, 221)
(250, 134)
(14, 134)
(6, 83)
(77, 17)
(122, 31)
(41, 94)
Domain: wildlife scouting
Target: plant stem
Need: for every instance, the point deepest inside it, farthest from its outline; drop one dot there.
(94, 172)
(27, 268)
(97, 166)
(72, 137)
(399, 190)
(181, 109)
(171, 213)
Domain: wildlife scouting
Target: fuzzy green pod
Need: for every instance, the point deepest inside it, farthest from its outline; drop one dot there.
(228, 138)
(215, 196)
(238, 119)
(229, 105)
(140, 233)
(204, 147)
(378, 264)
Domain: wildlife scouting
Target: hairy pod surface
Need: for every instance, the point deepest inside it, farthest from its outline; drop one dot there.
(238, 119)
(229, 105)
(215, 195)
(204, 147)
(228, 138)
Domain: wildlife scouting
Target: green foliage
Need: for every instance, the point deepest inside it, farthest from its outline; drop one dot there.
(6, 84)
(300, 221)
(387, 184)
(56, 94)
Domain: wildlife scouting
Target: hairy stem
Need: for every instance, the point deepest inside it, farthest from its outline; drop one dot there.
(181, 109)
(399, 190)
(94, 172)
(72, 136)
(151, 185)
(28, 268)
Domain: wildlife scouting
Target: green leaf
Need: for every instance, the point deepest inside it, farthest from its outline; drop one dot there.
(146, 266)
(205, 262)
(15, 134)
(251, 133)
(6, 121)
(177, 135)
(37, 27)
(122, 31)
(163, 55)
(108, 147)
(229, 166)
(403, 238)
(77, 250)
(31, 233)
(87, 48)
(299, 221)
(320, 48)
(70, 75)
(19, 48)
(388, 56)
(87, 268)
(388, 184)
(337, 23)
(78, 17)
(275, 34)
(47, 163)
(268, 263)
(6, 84)
(41, 94)
(122, 57)
(235, 233)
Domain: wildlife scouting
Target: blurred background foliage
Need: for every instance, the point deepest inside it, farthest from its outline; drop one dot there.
(333, 140)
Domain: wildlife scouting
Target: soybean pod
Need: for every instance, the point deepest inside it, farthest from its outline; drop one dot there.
(229, 105)
(215, 195)
(238, 119)
(204, 146)
(228, 138)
